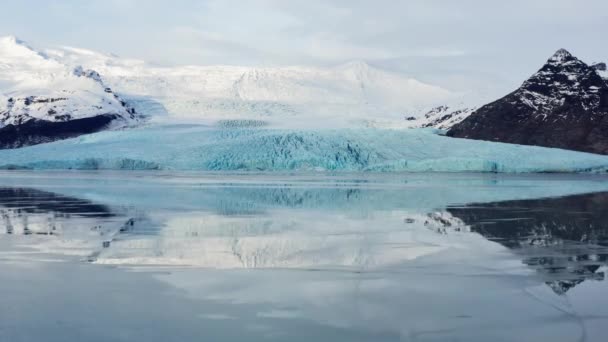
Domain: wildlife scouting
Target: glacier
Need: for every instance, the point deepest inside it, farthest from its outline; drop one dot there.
(234, 148)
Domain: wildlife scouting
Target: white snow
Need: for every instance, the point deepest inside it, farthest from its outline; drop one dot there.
(353, 94)
(35, 86)
(442, 117)
(203, 148)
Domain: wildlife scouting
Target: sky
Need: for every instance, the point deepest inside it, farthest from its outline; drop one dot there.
(434, 40)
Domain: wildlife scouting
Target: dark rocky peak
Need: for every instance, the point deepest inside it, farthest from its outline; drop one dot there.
(563, 79)
(563, 69)
(563, 105)
(561, 56)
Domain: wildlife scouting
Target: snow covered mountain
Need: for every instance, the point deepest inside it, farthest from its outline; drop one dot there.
(352, 94)
(42, 99)
(564, 105)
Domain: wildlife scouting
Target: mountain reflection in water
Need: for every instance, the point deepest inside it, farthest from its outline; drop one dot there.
(564, 239)
(384, 258)
(31, 211)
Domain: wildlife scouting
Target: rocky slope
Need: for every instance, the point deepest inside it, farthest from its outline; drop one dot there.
(563, 105)
(43, 100)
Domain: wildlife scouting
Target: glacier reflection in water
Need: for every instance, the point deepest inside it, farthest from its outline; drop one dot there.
(296, 257)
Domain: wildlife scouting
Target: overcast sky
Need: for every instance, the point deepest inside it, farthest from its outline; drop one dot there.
(501, 40)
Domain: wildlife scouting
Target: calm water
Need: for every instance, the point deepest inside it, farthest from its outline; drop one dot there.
(191, 257)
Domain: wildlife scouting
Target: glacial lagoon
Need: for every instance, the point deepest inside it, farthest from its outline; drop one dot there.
(168, 256)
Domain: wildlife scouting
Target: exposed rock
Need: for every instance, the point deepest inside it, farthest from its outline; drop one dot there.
(35, 131)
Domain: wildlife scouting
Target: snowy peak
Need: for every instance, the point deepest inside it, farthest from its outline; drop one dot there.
(11, 45)
(15, 52)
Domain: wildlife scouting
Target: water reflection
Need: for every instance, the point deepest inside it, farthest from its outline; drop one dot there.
(36, 201)
(564, 239)
(30, 211)
(348, 261)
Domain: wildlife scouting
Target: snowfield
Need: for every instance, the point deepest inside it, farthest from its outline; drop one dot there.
(224, 149)
(353, 94)
(66, 83)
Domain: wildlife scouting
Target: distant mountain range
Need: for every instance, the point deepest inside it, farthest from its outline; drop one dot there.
(563, 105)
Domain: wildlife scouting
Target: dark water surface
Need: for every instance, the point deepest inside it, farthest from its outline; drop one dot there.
(301, 257)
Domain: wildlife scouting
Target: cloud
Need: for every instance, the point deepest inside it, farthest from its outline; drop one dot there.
(204, 46)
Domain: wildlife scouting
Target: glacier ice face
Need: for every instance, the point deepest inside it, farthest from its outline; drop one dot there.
(260, 149)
